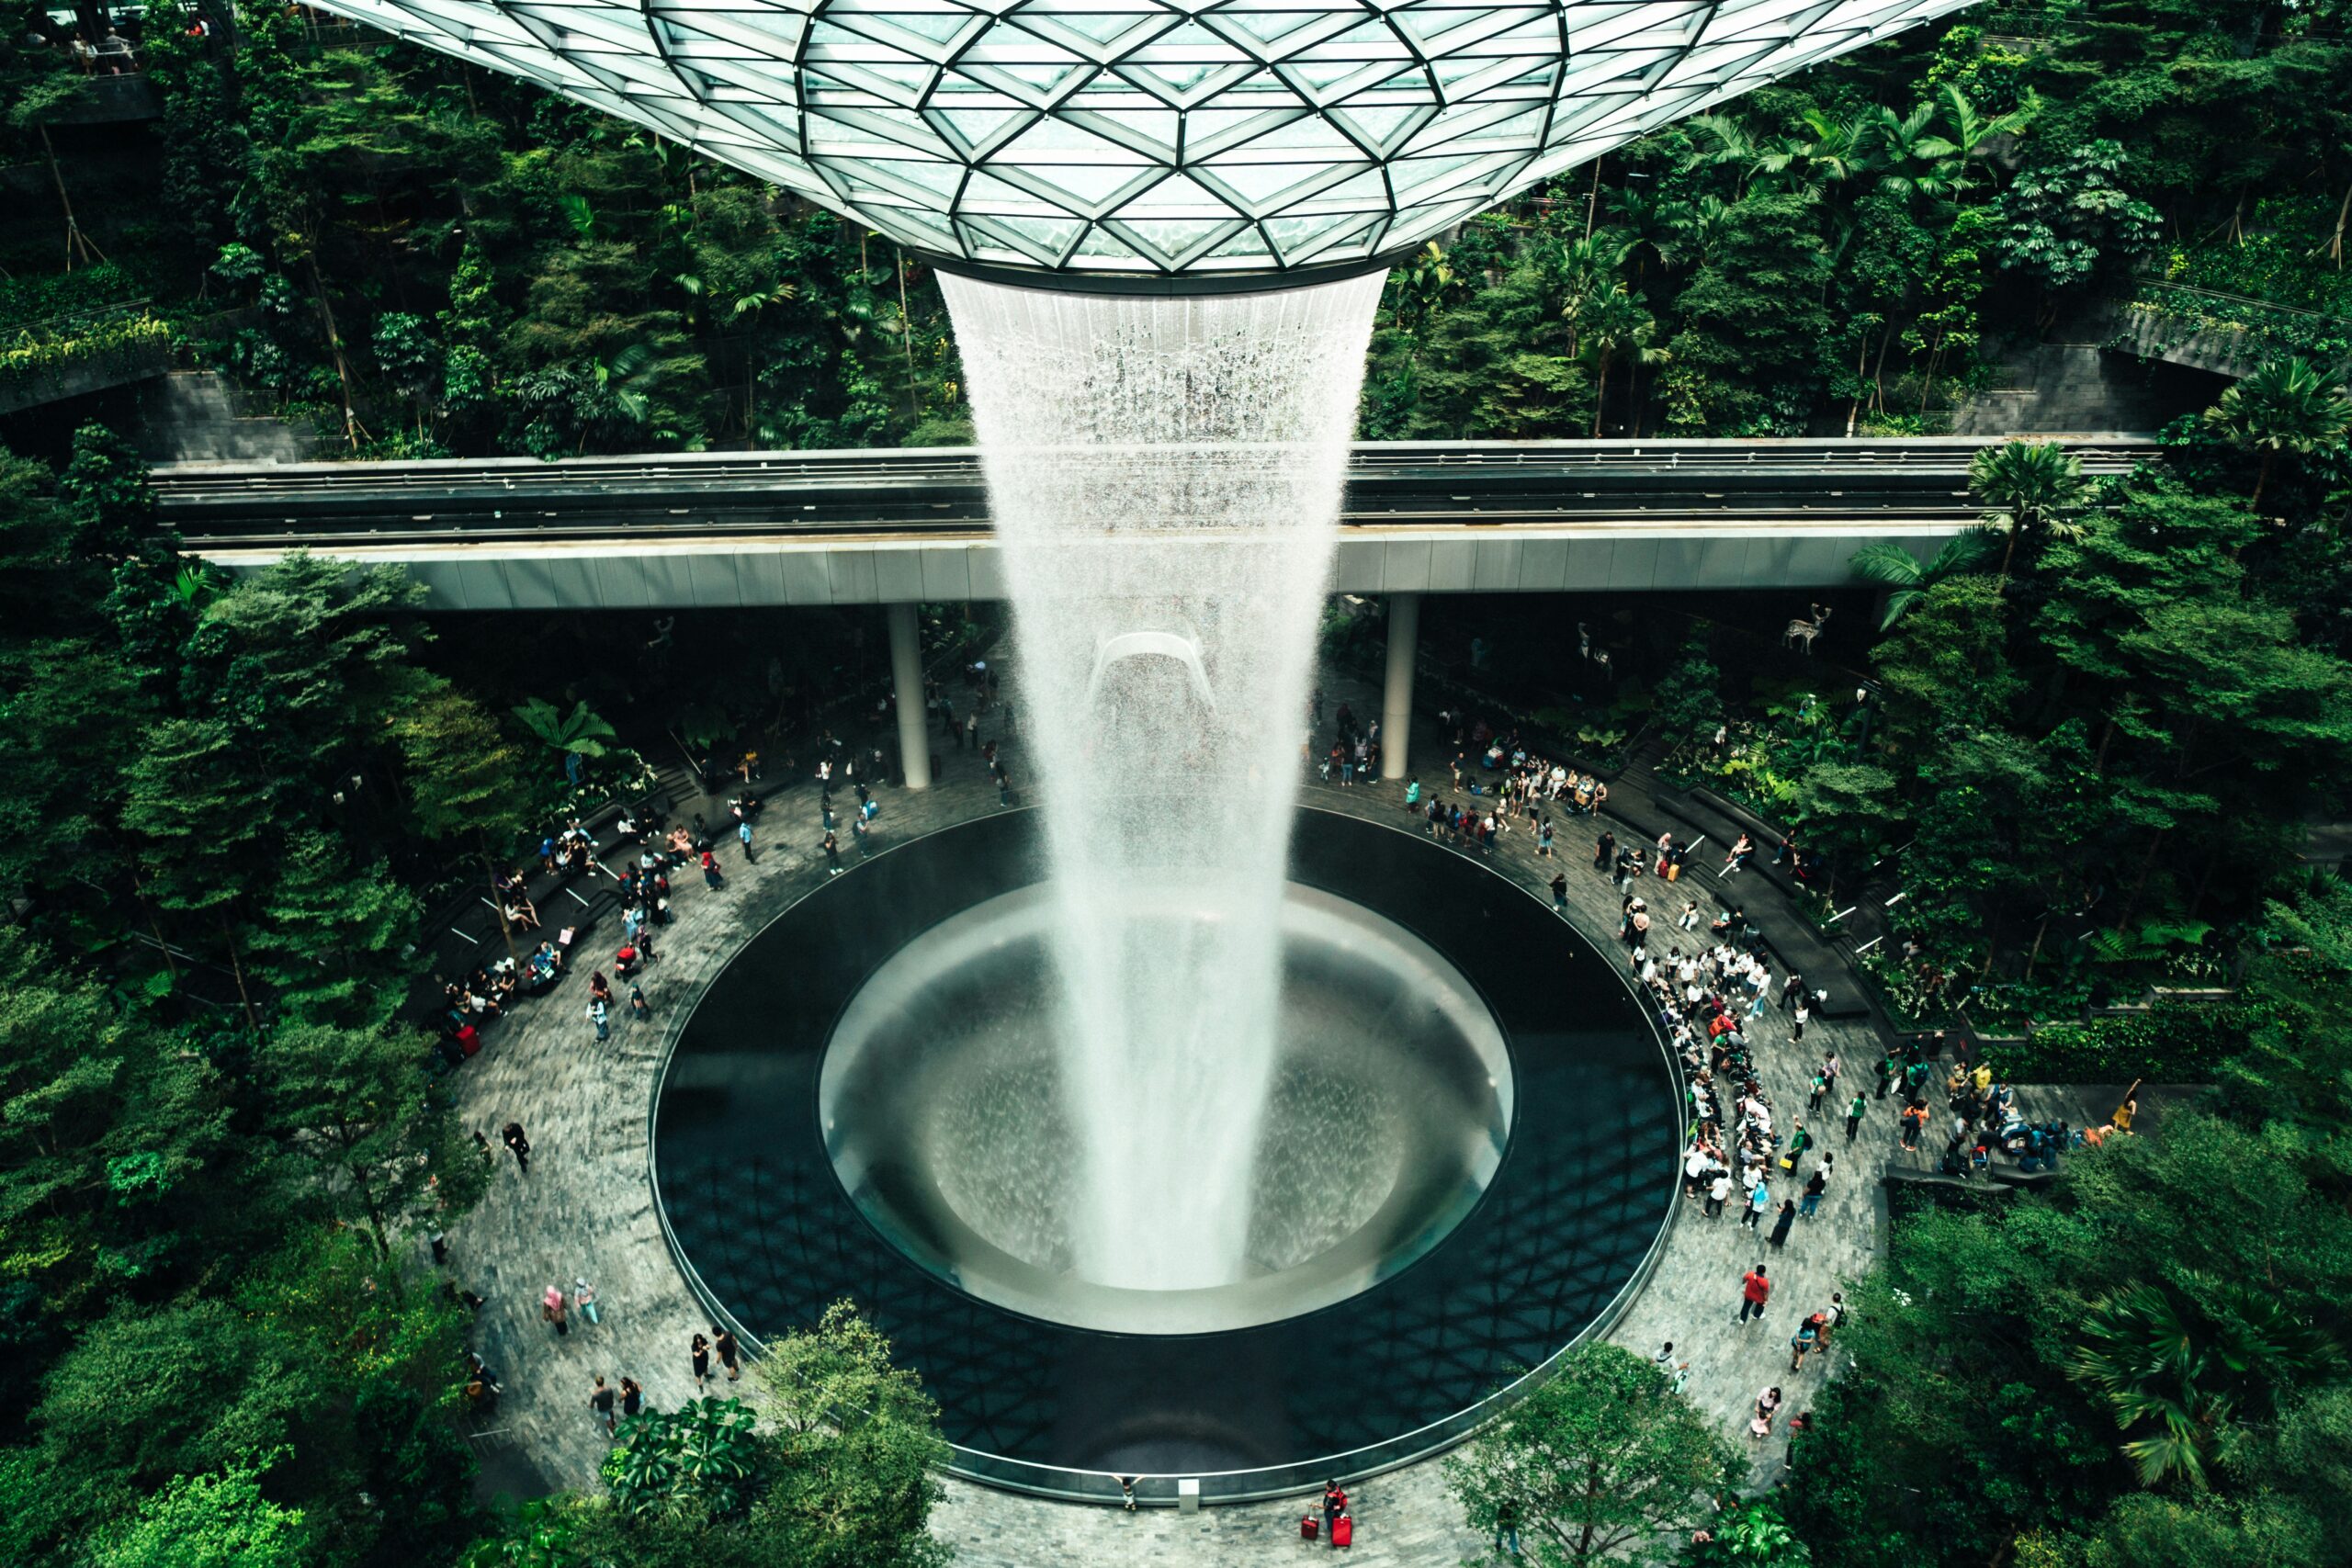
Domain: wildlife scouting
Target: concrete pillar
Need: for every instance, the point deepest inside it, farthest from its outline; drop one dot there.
(906, 678)
(1397, 692)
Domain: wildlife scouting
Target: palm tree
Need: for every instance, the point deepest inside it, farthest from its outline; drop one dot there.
(2029, 484)
(1913, 160)
(1582, 271)
(1831, 156)
(2285, 406)
(1971, 133)
(1905, 580)
(1612, 323)
(1718, 141)
(1421, 285)
(2184, 1370)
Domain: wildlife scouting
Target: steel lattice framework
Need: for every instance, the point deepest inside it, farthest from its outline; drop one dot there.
(1149, 136)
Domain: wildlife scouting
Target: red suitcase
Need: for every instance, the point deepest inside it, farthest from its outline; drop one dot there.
(1307, 1527)
(1343, 1531)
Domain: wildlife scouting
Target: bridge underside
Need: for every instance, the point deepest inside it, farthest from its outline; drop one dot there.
(618, 575)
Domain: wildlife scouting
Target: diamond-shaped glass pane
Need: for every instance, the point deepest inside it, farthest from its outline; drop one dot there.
(1149, 136)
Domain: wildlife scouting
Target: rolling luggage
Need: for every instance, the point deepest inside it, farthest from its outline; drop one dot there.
(1343, 1531)
(1307, 1527)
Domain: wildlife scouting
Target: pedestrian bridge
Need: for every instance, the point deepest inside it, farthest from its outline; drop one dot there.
(735, 529)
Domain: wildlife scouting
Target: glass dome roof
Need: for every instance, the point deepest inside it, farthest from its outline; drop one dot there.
(1150, 138)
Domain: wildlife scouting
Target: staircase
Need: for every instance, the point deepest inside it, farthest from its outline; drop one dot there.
(194, 416)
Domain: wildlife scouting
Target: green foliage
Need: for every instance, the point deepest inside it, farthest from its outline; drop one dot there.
(2287, 406)
(578, 733)
(213, 1154)
(2168, 1315)
(1906, 579)
(703, 1458)
(2186, 1367)
(219, 1520)
(839, 1476)
(2065, 218)
(1603, 1458)
(2170, 1044)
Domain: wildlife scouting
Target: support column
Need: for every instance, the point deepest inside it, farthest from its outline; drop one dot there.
(1397, 692)
(906, 678)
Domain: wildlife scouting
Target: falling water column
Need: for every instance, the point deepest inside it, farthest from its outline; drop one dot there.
(1165, 478)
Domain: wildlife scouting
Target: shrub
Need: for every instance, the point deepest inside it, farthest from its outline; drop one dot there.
(2168, 1043)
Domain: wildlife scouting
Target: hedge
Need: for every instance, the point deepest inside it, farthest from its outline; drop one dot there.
(2168, 1043)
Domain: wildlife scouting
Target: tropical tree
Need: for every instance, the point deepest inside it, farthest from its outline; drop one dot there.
(1913, 160)
(1832, 152)
(1615, 324)
(1906, 580)
(1604, 1458)
(580, 733)
(464, 784)
(1752, 1535)
(1420, 286)
(2288, 405)
(1971, 134)
(2187, 1372)
(2030, 485)
(704, 1457)
(1718, 141)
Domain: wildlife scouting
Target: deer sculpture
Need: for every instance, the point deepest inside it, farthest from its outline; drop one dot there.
(1803, 632)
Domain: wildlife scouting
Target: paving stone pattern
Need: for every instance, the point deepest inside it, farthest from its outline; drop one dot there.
(585, 1210)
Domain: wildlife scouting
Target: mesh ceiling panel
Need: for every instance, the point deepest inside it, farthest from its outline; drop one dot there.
(1149, 136)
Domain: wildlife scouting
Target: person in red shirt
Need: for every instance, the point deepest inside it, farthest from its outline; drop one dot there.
(1755, 1290)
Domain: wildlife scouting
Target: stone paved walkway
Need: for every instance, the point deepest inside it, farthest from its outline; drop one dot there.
(585, 1211)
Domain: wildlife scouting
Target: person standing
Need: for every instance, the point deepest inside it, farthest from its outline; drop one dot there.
(1781, 1226)
(554, 1310)
(1604, 852)
(1831, 1317)
(512, 1136)
(743, 834)
(632, 1400)
(972, 729)
(600, 1405)
(1335, 1503)
(1800, 1140)
(1760, 1201)
(1719, 1193)
(1507, 1527)
(833, 856)
(599, 1017)
(1755, 1290)
(1815, 1186)
(711, 876)
(1854, 1115)
(702, 1361)
(1807, 1340)
(1797, 1017)
(727, 1351)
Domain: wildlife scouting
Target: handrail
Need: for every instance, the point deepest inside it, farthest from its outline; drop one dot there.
(2204, 293)
(92, 316)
